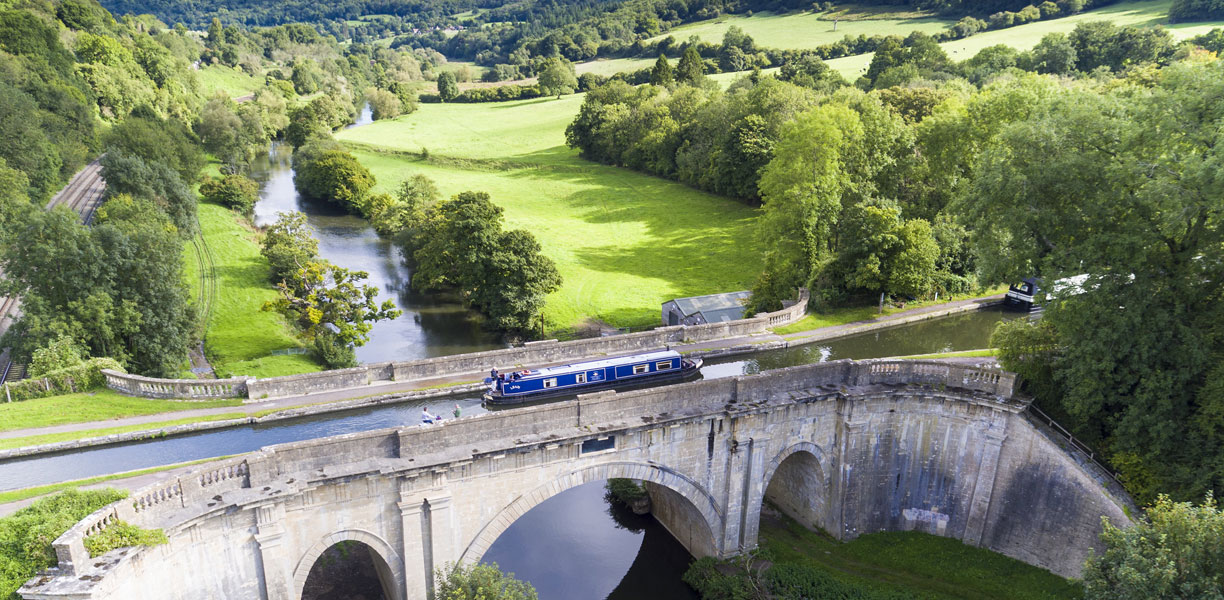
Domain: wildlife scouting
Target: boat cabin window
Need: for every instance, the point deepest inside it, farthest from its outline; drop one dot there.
(580, 378)
(663, 366)
(639, 369)
(552, 382)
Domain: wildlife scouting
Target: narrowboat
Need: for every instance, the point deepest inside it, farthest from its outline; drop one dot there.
(1023, 296)
(526, 385)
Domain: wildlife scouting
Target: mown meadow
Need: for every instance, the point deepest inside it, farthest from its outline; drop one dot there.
(624, 242)
(240, 336)
(807, 29)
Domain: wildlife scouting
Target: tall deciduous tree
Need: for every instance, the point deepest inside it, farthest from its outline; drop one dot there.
(333, 307)
(288, 245)
(448, 86)
(558, 78)
(1124, 188)
(802, 190)
(501, 274)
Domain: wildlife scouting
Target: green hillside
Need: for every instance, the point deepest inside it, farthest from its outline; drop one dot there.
(624, 242)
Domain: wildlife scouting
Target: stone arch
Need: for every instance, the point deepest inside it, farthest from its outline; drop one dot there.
(391, 571)
(817, 456)
(700, 499)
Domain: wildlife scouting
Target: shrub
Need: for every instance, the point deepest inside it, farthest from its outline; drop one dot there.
(122, 535)
(235, 192)
(26, 535)
(84, 376)
(625, 491)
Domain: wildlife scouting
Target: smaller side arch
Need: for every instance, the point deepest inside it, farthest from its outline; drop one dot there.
(702, 500)
(393, 563)
(757, 499)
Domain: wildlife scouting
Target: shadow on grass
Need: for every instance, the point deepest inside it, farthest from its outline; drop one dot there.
(689, 234)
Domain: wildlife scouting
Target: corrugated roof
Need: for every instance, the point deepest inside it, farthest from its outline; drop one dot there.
(713, 302)
(723, 314)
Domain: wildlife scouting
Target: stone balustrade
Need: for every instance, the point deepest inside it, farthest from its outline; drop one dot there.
(185, 389)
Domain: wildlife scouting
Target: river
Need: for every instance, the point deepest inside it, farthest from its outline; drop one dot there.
(428, 327)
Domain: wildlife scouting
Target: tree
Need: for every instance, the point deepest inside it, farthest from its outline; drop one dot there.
(462, 246)
(881, 252)
(558, 78)
(480, 582)
(153, 181)
(287, 245)
(383, 104)
(333, 175)
(448, 86)
(1176, 552)
(63, 352)
(661, 74)
(221, 131)
(1054, 54)
(801, 189)
(236, 192)
(691, 69)
(1117, 186)
(331, 306)
(307, 76)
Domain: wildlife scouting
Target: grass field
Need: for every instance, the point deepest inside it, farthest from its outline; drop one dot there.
(624, 242)
(215, 78)
(808, 29)
(918, 564)
(241, 337)
(611, 66)
(1023, 37)
(84, 407)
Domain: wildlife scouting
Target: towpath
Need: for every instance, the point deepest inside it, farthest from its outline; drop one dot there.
(716, 347)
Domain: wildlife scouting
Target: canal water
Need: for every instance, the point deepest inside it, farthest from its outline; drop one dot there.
(428, 327)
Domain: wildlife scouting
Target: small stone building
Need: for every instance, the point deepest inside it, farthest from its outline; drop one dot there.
(712, 308)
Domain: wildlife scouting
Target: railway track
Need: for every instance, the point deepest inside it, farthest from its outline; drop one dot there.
(83, 194)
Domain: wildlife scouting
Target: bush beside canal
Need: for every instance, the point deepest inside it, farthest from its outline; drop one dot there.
(26, 536)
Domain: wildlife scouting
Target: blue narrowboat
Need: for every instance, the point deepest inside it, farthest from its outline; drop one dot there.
(527, 385)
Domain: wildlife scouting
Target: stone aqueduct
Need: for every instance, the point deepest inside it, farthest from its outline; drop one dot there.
(851, 447)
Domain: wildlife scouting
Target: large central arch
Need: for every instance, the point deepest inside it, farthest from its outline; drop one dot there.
(391, 571)
(700, 499)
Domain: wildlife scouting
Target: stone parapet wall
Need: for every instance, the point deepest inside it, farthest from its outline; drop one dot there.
(188, 389)
(474, 363)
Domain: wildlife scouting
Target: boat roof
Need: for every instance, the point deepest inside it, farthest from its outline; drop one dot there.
(602, 363)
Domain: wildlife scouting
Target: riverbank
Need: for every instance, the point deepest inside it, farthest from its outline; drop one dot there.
(95, 433)
(887, 565)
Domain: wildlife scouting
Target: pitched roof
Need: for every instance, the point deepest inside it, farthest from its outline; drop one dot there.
(713, 302)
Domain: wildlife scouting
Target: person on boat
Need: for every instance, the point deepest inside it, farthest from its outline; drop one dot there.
(426, 418)
(493, 373)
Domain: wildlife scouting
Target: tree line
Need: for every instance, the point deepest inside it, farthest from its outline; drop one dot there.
(1091, 153)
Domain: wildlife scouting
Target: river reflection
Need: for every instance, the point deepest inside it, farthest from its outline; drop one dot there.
(578, 546)
(428, 326)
